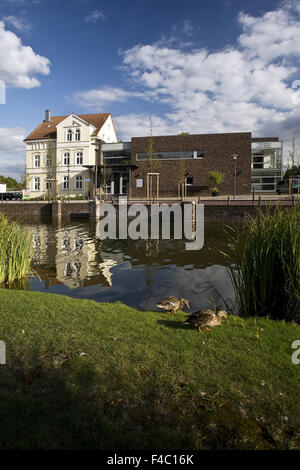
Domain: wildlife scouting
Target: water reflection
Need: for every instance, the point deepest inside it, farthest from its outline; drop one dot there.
(71, 260)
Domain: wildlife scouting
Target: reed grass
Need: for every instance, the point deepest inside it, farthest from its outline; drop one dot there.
(15, 251)
(264, 257)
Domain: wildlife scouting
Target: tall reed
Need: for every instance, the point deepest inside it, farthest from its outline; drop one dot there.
(264, 257)
(15, 250)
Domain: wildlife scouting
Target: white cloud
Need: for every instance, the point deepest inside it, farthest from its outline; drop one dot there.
(95, 16)
(273, 35)
(19, 63)
(137, 125)
(12, 151)
(11, 139)
(17, 23)
(98, 98)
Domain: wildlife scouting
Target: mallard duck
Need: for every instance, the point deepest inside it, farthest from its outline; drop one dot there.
(173, 303)
(206, 318)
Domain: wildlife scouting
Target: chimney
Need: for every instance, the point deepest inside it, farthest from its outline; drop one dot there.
(47, 115)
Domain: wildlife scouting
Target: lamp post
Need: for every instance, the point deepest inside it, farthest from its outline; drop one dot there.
(234, 157)
(69, 180)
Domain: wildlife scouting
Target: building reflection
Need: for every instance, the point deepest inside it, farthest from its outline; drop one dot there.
(74, 255)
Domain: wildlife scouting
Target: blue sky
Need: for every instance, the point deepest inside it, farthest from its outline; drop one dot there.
(194, 66)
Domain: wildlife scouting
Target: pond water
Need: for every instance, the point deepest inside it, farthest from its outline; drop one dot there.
(71, 260)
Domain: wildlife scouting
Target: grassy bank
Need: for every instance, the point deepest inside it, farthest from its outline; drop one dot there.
(85, 375)
(264, 255)
(15, 250)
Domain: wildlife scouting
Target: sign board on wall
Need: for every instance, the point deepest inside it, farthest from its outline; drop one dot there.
(26, 193)
(139, 182)
(3, 188)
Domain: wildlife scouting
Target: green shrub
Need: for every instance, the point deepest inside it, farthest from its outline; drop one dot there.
(15, 251)
(264, 256)
(216, 178)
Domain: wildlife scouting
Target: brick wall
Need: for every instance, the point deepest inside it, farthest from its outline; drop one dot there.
(27, 208)
(37, 208)
(218, 150)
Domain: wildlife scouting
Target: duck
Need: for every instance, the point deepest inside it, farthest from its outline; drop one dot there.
(206, 318)
(172, 304)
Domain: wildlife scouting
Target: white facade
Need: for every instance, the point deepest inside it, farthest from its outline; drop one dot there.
(63, 165)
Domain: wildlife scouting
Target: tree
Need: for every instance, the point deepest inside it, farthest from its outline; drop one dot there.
(293, 171)
(216, 178)
(293, 155)
(152, 164)
(11, 183)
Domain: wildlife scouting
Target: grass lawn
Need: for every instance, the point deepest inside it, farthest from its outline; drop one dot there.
(80, 374)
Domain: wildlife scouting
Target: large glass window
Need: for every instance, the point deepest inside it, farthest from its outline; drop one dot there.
(77, 134)
(171, 155)
(69, 135)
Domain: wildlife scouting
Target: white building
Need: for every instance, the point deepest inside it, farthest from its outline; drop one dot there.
(61, 153)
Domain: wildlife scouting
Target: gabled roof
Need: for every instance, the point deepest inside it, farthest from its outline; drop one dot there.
(47, 130)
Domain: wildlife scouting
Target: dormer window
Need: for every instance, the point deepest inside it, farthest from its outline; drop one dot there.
(69, 135)
(77, 134)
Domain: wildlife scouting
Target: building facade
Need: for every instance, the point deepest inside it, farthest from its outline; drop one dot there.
(61, 154)
(266, 163)
(80, 156)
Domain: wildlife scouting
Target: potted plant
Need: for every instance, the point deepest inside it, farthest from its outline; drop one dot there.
(216, 178)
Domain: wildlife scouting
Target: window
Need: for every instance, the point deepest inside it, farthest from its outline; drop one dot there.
(37, 161)
(66, 159)
(78, 182)
(79, 158)
(48, 161)
(37, 184)
(189, 180)
(171, 155)
(77, 134)
(65, 182)
(69, 135)
(48, 185)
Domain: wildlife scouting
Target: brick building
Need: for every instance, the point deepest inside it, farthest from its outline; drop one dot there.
(178, 158)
